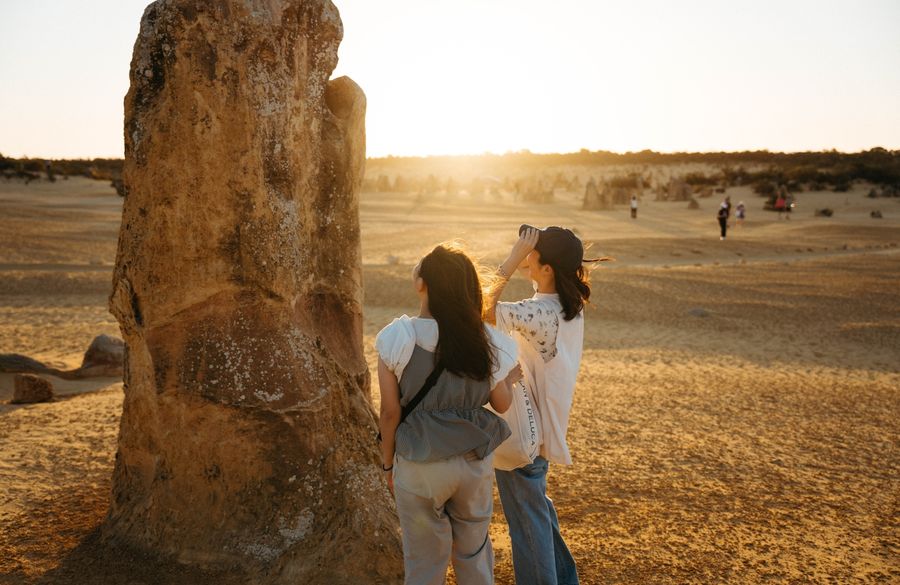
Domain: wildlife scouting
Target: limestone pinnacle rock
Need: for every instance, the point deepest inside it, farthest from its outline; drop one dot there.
(247, 435)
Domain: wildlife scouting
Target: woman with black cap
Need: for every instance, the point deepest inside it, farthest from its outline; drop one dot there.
(549, 328)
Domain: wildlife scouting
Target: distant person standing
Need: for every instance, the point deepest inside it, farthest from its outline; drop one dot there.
(740, 213)
(634, 204)
(780, 202)
(722, 216)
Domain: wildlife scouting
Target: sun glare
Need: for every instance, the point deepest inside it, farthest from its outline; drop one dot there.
(471, 76)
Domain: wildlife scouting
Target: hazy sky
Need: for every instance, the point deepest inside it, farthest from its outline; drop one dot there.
(469, 76)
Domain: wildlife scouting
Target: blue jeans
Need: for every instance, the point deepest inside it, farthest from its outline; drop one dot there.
(540, 556)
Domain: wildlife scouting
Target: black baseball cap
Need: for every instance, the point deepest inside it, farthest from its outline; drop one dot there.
(559, 247)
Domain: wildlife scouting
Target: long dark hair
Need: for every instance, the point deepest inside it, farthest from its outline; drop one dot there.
(455, 301)
(573, 289)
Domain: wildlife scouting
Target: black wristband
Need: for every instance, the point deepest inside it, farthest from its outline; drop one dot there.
(383, 468)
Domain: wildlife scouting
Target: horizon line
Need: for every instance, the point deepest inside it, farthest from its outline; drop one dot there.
(526, 151)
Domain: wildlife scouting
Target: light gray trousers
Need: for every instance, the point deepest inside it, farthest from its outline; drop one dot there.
(445, 511)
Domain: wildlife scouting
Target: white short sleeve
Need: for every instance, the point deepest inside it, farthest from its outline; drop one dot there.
(395, 344)
(505, 356)
(536, 321)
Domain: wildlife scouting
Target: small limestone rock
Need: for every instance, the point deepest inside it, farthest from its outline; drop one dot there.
(594, 198)
(104, 357)
(30, 389)
(876, 214)
(825, 212)
(699, 312)
(104, 349)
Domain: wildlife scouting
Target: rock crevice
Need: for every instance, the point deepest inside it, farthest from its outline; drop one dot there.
(247, 434)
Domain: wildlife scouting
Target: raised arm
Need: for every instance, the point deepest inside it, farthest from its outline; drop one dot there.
(520, 250)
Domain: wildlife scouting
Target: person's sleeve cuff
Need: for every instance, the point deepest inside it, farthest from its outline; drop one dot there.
(505, 357)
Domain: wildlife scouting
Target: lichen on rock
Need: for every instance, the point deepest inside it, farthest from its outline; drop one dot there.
(247, 435)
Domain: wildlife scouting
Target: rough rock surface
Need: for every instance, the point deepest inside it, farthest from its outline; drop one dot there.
(247, 435)
(29, 388)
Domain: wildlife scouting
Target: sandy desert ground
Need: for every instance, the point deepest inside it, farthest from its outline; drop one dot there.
(736, 418)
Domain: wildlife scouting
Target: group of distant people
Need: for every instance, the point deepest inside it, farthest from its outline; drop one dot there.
(782, 201)
(724, 214)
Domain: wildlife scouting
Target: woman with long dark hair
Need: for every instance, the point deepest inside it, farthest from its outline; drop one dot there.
(549, 329)
(438, 459)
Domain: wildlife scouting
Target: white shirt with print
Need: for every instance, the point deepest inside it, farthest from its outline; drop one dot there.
(550, 354)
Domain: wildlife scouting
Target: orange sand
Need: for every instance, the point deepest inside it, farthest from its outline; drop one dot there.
(757, 444)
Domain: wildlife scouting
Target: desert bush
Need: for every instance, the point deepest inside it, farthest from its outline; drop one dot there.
(803, 174)
(840, 186)
(100, 174)
(629, 181)
(32, 165)
(735, 176)
(764, 188)
(695, 179)
(91, 168)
